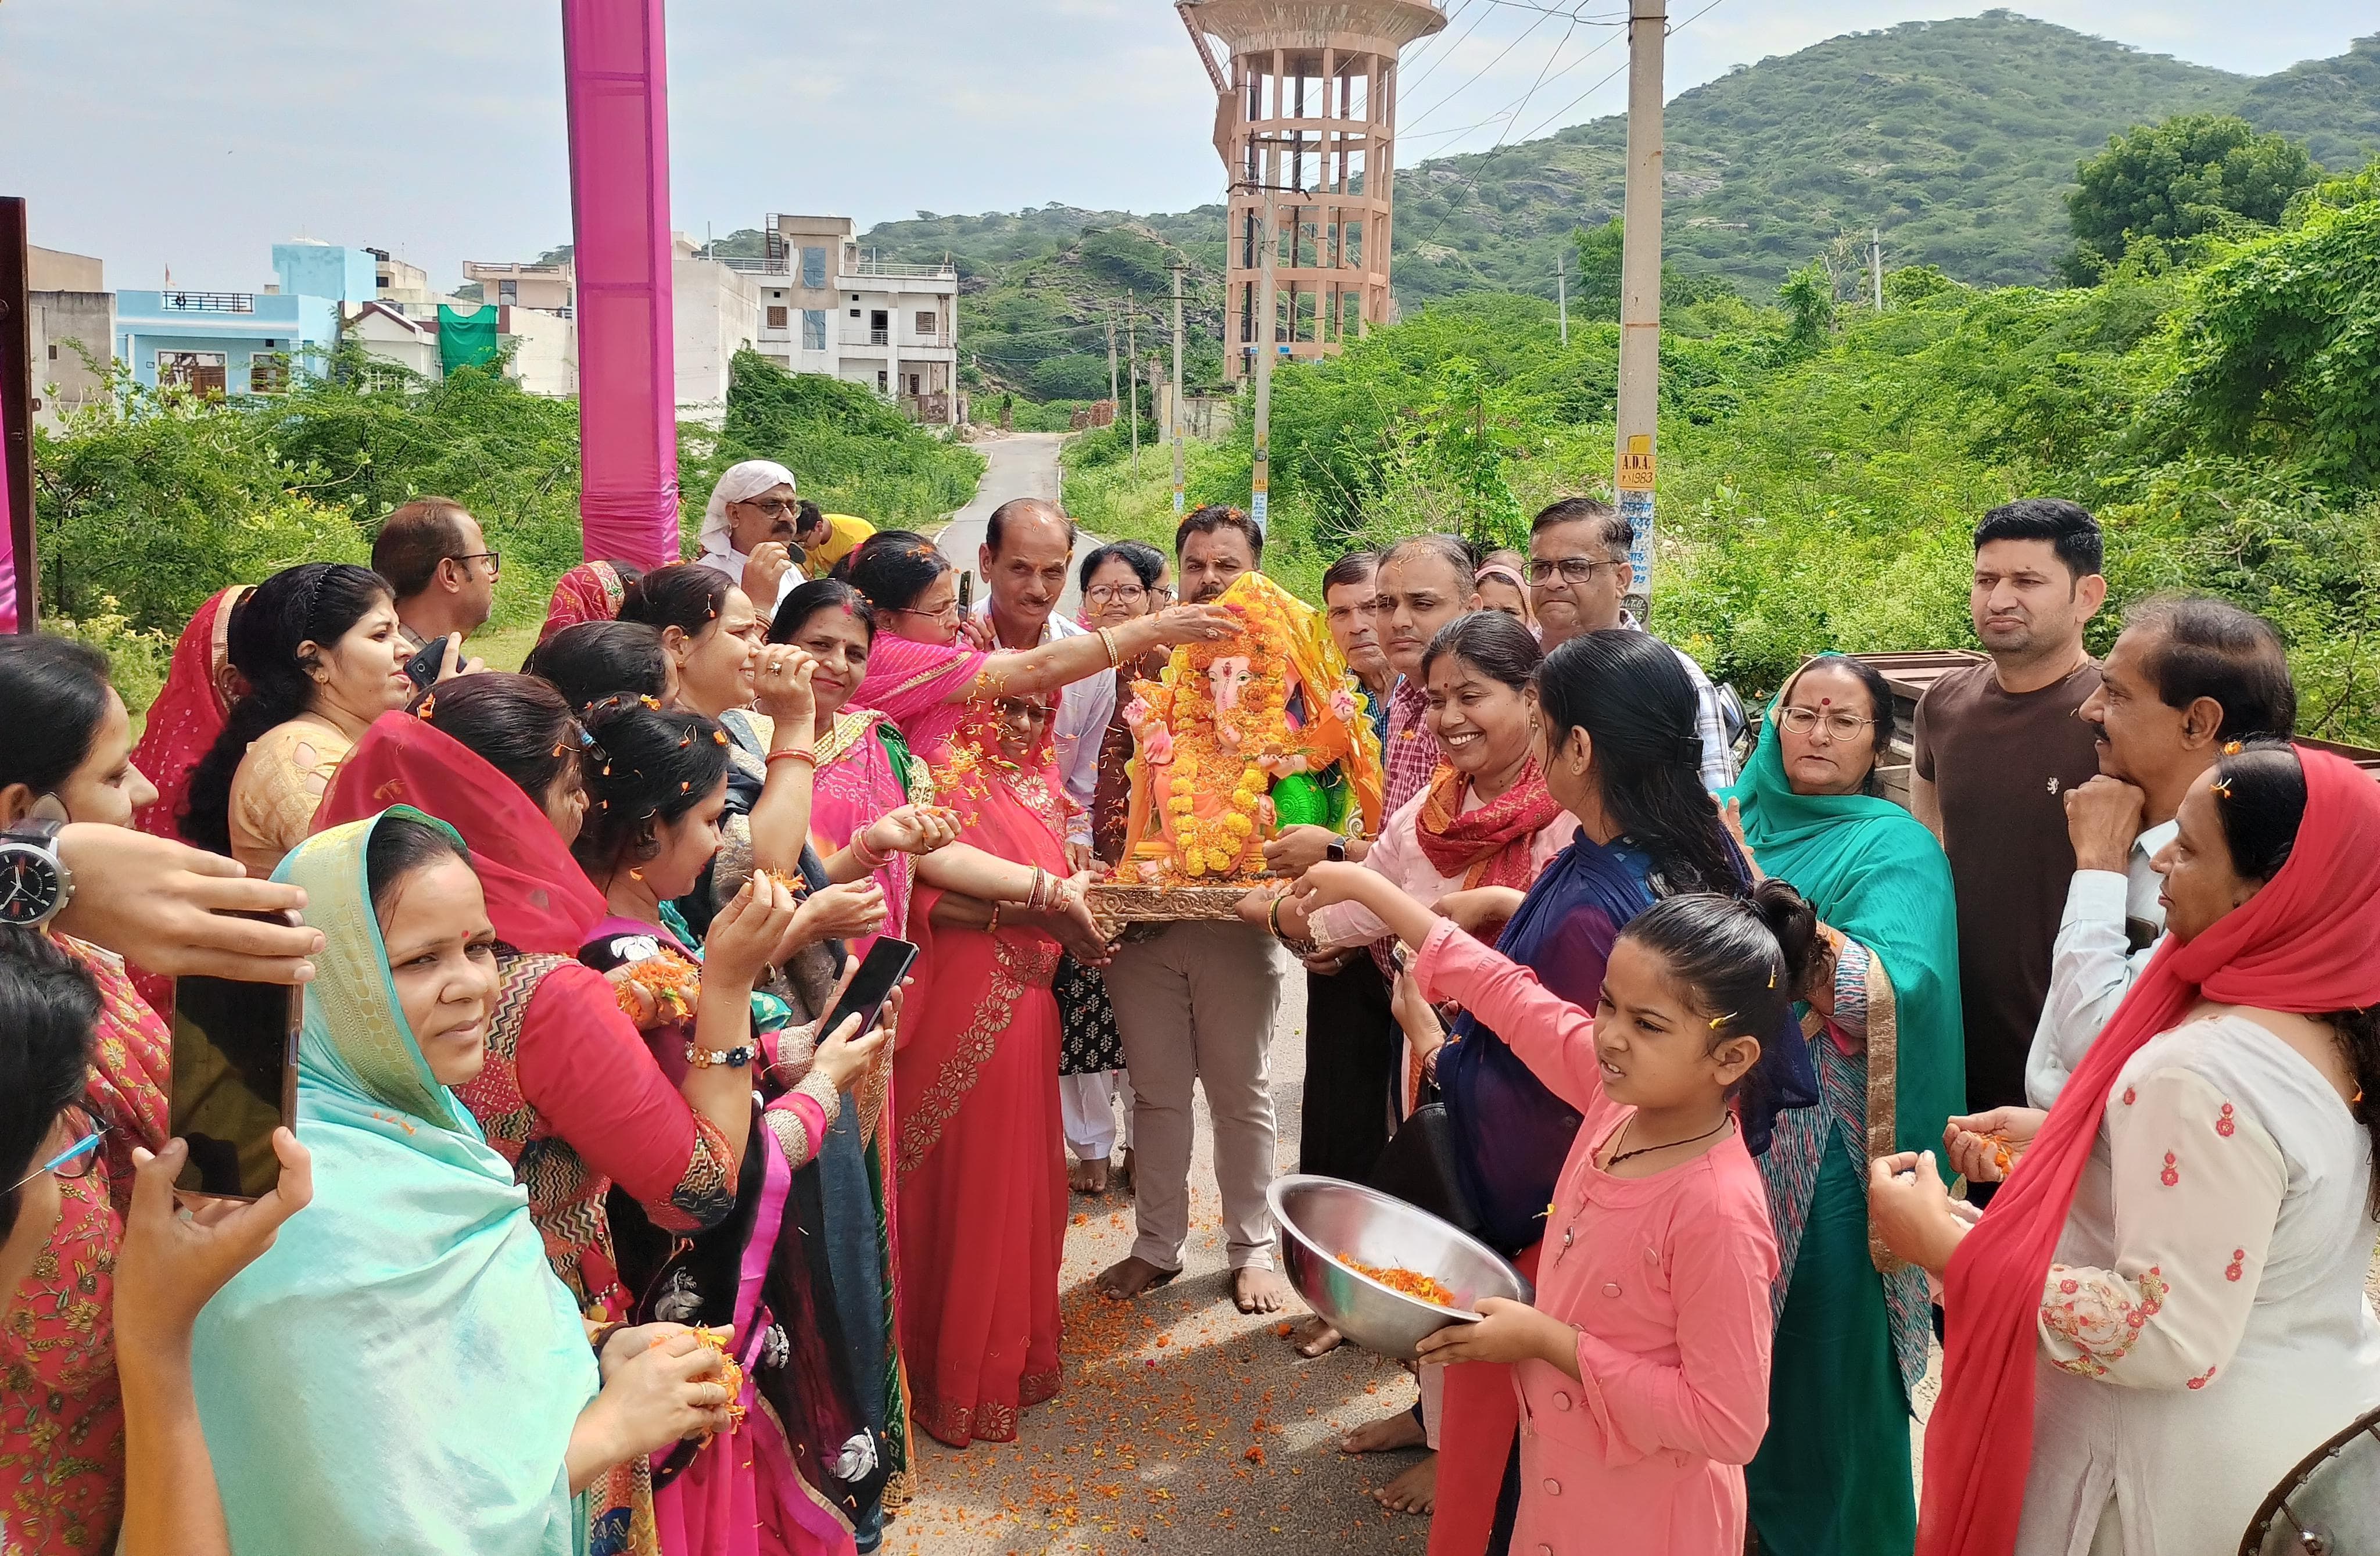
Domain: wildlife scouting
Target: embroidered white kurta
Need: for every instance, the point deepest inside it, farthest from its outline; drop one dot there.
(2205, 1324)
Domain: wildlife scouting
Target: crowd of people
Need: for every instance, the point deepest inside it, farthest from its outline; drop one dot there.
(590, 1239)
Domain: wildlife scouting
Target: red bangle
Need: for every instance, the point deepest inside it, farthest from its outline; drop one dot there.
(795, 754)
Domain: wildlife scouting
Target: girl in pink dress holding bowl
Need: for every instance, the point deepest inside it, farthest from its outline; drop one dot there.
(1642, 1367)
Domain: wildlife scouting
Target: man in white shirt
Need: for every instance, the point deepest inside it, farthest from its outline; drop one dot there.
(2188, 677)
(747, 533)
(1029, 545)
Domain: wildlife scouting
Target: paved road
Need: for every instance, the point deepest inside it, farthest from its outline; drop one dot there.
(1020, 464)
(1184, 1425)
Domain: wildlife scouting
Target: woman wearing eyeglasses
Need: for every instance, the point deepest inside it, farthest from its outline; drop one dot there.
(923, 672)
(1833, 1472)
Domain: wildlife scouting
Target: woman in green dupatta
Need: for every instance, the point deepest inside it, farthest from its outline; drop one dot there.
(1833, 1474)
(402, 1372)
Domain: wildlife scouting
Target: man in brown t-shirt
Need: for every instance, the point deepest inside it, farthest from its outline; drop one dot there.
(1996, 748)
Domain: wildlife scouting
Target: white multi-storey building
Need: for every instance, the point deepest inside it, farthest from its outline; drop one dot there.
(828, 308)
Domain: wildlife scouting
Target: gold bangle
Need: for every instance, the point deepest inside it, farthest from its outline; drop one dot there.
(1115, 653)
(994, 928)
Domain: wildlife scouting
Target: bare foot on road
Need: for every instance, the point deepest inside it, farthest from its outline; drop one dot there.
(1388, 1433)
(1126, 1279)
(1414, 1491)
(1088, 1177)
(1258, 1291)
(1315, 1337)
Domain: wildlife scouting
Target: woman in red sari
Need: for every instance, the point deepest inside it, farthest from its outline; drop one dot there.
(189, 713)
(982, 1175)
(590, 591)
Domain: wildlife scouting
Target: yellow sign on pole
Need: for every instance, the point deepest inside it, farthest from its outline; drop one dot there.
(1636, 465)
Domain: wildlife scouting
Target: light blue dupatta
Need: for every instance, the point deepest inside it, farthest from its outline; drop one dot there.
(401, 1372)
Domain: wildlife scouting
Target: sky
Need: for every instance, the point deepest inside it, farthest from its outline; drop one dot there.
(158, 132)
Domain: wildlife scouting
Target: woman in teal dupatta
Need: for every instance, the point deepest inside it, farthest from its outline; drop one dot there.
(1833, 1474)
(402, 1372)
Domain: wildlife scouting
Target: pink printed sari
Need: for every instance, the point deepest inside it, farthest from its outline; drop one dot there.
(911, 683)
(859, 778)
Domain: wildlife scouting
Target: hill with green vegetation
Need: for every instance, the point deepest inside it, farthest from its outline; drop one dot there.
(1822, 465)
(1957, 139)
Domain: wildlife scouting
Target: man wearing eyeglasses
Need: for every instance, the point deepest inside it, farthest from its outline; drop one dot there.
(1579, 573)
(439, 566)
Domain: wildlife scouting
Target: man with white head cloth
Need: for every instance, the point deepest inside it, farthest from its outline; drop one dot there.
(748, 531)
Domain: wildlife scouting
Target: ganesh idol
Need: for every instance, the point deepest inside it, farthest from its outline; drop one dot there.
(1241, 738)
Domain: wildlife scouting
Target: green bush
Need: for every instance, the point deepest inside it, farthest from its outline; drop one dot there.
(137, 658)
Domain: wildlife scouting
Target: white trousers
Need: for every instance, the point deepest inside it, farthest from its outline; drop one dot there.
(1088, 1103)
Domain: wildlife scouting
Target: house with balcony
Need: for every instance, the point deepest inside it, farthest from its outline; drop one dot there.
(245, 343)
(827, 306)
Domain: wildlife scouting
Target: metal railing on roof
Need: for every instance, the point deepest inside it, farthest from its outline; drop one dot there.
(209, 302)
(908, 272)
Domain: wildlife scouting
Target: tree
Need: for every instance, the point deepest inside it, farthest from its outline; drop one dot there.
(1596, 295)
(2190, 175)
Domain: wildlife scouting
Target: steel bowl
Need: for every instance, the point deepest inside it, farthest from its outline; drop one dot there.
(1325, 1222)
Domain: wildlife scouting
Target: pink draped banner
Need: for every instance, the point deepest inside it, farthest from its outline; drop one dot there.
(616, 85)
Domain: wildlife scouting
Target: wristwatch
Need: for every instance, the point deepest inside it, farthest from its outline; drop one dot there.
(35, 885)
(1335, 850)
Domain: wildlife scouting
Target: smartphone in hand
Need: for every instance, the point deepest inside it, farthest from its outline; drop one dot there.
(422, 668)
(235, 1079)
(881, 972)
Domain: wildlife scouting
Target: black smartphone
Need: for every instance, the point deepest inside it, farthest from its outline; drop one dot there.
(881, 972)
(235, 1079)
(967, 593)
(423, 667)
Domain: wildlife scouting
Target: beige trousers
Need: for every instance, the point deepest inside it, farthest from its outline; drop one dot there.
(1195, 1004)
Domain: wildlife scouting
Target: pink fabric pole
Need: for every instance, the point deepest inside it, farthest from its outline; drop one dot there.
(616, 83)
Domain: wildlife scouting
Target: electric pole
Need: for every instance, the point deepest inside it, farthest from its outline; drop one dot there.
(1260, 472)
(1561, 296)
(1132, 378)
(1640, 292)
(1876, 264)
(1113, 403)
(1174, 429)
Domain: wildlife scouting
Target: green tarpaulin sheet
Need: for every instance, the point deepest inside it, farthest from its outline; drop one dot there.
(465, 339)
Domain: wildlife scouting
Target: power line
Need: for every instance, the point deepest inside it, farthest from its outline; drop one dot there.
(1621, 71)
(1471, 180)
(1466, 86)
(1443, 55)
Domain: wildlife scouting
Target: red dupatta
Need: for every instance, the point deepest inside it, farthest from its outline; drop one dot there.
(590, 591)
(537, 897)
(2308, 943)
(188, 715)
(1489, 847)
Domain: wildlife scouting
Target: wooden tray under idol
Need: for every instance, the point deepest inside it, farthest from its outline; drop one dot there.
(1115, 904)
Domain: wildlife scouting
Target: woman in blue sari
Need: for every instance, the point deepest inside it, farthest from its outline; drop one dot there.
(402, 1372)
(1616, 739)
(1833, 1473)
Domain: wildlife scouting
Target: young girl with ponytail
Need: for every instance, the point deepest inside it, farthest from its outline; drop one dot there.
(1643, 1366)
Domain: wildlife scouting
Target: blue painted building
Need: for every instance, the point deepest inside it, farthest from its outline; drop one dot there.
(244, 343)
(323, 270)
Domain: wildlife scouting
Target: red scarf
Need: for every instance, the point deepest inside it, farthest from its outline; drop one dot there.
(537, 897)
(2308, 943)
(1489, 847)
